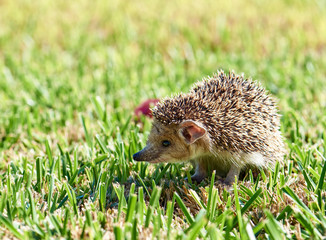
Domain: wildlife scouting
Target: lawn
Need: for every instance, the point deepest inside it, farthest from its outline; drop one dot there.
(71, 75)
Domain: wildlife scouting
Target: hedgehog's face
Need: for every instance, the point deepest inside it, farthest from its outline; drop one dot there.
(173, 143)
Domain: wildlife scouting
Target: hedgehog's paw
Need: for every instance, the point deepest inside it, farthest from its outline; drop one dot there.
(228, 181)
(200, 172)
(225, 182)
(232, 174)
(198, 177)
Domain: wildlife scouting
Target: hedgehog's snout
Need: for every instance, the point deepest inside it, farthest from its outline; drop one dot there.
(148, 154)
(143, 155)
(137, 156)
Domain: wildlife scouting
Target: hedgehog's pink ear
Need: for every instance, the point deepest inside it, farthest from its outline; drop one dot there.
(191, 131)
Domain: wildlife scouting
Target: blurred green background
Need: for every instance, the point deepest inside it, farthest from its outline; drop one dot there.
(54, 56)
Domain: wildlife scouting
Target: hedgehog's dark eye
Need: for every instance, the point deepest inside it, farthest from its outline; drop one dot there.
(166, 143)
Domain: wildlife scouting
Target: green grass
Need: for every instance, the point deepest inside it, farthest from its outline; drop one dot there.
(71, 75)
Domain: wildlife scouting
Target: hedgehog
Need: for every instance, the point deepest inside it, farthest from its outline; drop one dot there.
(225, 123)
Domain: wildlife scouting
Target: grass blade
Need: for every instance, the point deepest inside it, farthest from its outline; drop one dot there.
(11, 227)
(251, 201)
(322, 175)
(184, 209)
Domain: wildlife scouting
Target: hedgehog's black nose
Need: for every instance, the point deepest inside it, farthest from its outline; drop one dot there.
(136, 157)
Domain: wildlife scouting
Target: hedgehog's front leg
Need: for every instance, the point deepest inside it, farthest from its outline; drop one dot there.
(233, 172)
(201, 171)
